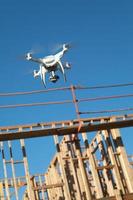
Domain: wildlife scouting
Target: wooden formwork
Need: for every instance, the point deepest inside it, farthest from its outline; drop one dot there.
(82, 169)
(92, 170)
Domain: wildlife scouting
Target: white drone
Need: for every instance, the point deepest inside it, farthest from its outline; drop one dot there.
(50, 64)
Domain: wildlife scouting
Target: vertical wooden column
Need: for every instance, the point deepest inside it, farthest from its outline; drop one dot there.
(121, 152)
(78, 153)
(73, 168)
(26, 168)
(35, 185)
(5, 172)
(47, 179)
(116, 174)
(61, 163)
(92, 163)
(42, 190)
(51, 181)
(57, 179)
(84, 177)
(13, 170)
(105, 160)
(1, 191)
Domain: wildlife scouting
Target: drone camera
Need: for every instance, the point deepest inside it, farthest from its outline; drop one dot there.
(54, 79)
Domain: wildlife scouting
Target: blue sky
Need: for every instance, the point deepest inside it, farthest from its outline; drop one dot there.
(102, 53)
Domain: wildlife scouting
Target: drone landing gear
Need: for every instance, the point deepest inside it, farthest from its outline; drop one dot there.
(54, 78)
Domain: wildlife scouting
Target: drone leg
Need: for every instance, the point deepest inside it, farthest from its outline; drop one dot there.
(43, 74)
(62, 70)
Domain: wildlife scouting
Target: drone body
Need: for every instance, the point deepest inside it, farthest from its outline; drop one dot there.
(50, 64)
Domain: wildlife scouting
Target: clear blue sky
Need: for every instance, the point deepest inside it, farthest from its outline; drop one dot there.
(102, 34)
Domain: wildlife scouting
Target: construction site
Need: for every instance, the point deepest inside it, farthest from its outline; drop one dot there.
(81, 169)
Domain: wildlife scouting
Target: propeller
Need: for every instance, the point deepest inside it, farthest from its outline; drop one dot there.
(54, 48)
(39, 49)
(26, 55)
(68, 45)
(35, 50)
(57, 47)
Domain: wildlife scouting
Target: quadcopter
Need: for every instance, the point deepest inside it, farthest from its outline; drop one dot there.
(50, 64)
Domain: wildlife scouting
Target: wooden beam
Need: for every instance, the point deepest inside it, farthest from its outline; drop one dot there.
(85, 127)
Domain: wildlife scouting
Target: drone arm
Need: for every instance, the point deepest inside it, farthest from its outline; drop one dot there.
(37, 60)
(29, 57)
(61, 53)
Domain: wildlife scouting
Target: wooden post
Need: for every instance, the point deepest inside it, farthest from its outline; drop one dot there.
(121, 152)
(29, 185)
(13, 170)
(94, 172)
(5, 173)
(108, 180)
(1, 191)
(116, 174)
(74, 171)
(61, 163)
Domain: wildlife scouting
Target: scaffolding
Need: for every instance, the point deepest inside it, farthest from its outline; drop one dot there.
(81, 169)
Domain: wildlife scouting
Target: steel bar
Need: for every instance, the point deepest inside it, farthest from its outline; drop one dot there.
(66, 88)
(33, 92)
